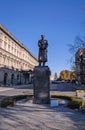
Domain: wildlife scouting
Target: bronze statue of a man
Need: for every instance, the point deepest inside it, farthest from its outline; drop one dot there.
(43, 44)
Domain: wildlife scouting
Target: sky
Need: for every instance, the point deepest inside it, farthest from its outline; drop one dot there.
(60, 21)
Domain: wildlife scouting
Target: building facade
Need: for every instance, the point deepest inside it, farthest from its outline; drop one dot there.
(16, 61)
(80, 65)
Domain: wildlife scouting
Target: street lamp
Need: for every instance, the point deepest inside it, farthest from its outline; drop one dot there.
(82, 69)
(80, 61)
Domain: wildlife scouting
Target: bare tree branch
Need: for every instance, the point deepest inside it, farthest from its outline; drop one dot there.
(73, 48)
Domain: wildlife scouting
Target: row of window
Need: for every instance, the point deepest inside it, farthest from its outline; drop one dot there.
(13, 48)
(13, 63)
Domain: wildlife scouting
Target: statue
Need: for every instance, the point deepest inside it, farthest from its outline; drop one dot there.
(43, 44)
(41, 73)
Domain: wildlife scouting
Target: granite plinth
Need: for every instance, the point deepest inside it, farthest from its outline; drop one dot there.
(41, 85)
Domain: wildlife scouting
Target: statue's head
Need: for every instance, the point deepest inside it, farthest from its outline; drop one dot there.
(42, 36)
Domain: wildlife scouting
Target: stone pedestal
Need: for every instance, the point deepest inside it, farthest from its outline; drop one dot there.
(41, 85)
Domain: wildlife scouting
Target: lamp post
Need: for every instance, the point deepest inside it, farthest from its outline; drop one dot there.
(82, 64)
(81, 71)
(20, 76)
(81, 68)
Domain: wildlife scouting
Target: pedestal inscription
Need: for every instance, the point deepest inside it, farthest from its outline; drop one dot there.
(41, 85)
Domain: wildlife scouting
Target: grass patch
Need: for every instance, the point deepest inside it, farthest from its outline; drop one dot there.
(80, 91)
(11, 101)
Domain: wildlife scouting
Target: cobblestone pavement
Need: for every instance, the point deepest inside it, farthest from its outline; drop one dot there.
(29, 116)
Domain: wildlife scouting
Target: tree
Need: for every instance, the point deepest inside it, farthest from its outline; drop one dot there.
(55, 76)
(65, 75)
(73, 48)
(78, 43)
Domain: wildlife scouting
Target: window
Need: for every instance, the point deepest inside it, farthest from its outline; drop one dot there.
(9, 48)
(5, 38)
(5, 45)
(12, 49)
(18, 77)
(0, 43)
(1, 35)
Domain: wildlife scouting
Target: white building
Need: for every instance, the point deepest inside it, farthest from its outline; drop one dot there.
(16, 61)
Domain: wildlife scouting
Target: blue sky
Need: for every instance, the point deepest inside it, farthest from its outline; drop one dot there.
(59, 20)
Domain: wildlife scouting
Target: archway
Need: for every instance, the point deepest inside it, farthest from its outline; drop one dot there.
(17, 76)
(12, 79)
(5, 78)
(18, 79)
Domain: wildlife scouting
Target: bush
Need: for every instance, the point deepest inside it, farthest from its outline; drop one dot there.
(74, 102)
(8, 102)
(80, 91)
(11, 101)
(67, 97)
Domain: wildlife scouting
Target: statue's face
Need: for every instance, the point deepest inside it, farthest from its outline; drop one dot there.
(42, 36)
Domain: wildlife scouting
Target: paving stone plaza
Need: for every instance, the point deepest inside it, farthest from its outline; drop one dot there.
(26, 115)
(39, 117)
